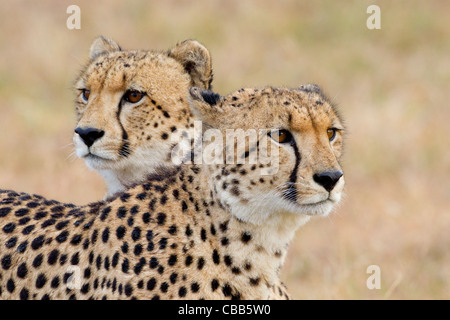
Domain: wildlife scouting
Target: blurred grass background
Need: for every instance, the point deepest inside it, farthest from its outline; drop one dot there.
(392, 86)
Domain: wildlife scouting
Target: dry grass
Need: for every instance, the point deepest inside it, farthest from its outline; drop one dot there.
(392, 86)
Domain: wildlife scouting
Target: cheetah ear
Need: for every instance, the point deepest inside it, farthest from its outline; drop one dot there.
(103, 45)
(196, 60)
(205, 104)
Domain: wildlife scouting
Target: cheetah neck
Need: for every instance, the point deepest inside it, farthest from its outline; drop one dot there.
(249, 251)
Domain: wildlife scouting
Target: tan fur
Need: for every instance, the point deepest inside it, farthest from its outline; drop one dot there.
(183, 234)
(165, 77)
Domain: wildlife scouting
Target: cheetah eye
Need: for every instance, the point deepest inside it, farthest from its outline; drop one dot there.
(85, 93)
(331, 133)
(281, 136)
(133, 96)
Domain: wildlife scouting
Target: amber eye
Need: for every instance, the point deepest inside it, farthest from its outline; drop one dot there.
(133, 96)
(85, 93)
(331, 134)
(281, 136)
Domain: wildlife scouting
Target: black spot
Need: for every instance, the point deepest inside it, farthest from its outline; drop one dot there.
(75, 259)
(105, 235)
(11, 242)
(28, 230)
(160, 269)
(236, 270)
(37, 243)
(55, 282)
(115, 260)
(153, 263)
(10, 286)
(40, 215)
(254, 281)
(161, 218)
(172, 260)
(98, 261)
(184, 206)
(151, 284)
(138, 249)
(63, 259)
(24, 221)
(121, 212)
(24, 294)
(124, 197)
(138, 267)
(53, 257)
(228, 261)
(6, 262)
(41, 280)
(188, 231)
(107, 263)
(105, 213)
(173, 278)
(94, 236)
(125, 265)
(32, 204)
(9, 227)
(214, 284)
(188, 260)
(224, 226)
(146, 217)
(224, 241)
(76, 239)
(182, 292)
(22, 247)
(48, 222)
(246, 237)
(200, 263)
(216, 257)
(22, 270)
(85, 288)
(226, 290)
(38, 260)
(162, 243)
(136, 234)
(164, 287)
(172, 229)
(120, 232)
(87, 273)
(128, 290)
(5, 211)
(62, 237)
(203, 234)
(195, 287)
(164, 136)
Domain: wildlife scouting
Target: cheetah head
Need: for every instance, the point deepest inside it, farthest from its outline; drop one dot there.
(298, 129)
(130, 103)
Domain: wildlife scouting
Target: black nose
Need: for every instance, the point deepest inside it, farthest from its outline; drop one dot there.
(328, 179)
(89, 135)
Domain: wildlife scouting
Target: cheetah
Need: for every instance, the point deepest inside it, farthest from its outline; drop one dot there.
(130, 102)
(196, 231)
(128, 105)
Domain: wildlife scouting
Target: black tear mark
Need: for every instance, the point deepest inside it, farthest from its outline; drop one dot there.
(291, 191)
(124, 149)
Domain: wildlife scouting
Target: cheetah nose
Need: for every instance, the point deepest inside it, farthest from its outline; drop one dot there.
(328, 179)
(89, 135)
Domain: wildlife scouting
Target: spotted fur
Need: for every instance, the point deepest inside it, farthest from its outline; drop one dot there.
(135, 138)
(180, 235)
